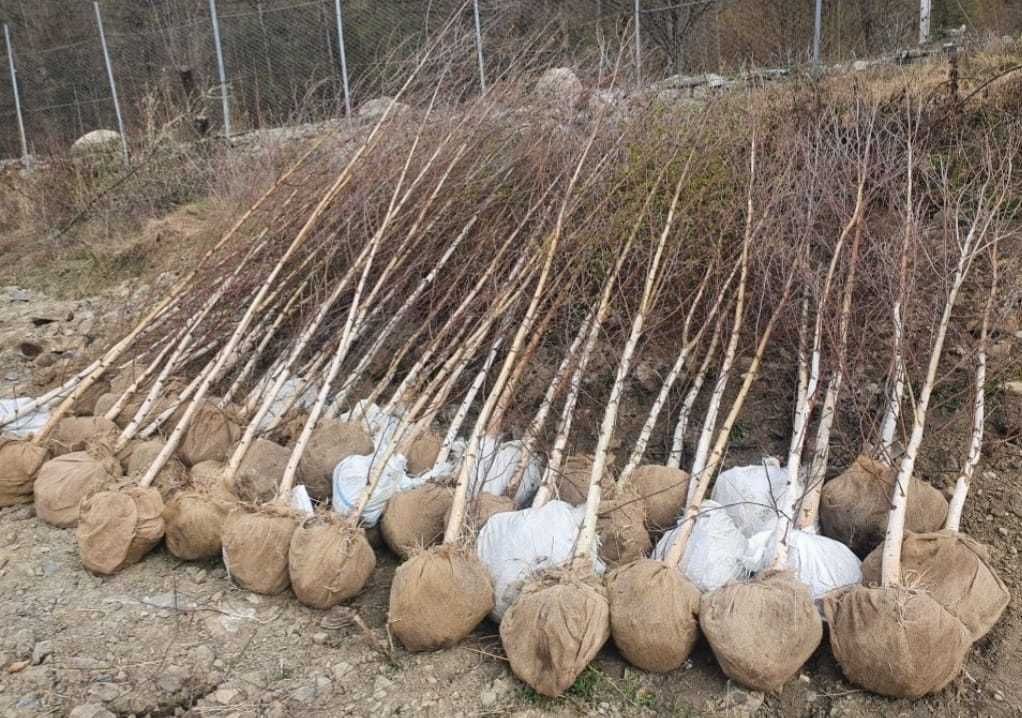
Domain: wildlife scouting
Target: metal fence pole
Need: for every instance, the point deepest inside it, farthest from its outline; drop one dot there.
(110, 76)
(924, 21)
(638, 44)
(220, 68)
(817, 31)
(479, 46)
(344, 58)
(17, 98)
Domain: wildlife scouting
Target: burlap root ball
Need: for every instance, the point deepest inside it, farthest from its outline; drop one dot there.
(438, 597)
(955, 571)
(62, 483)
(481, 507)
(622, 526)
(85, 405)
(414, 519)
(255, 548)
(261, 471)
(329, 562)
(854, 505)
(897, 642)
(573, 482)
(554, 630)
(74, 433)
(20, 462)
(170, 479)
(663, 490)
(423, 452)
(654, 615)
(210, 436)
(331, 442)
(763, 631)
(125, 416)
(194, 524)
(117, 528)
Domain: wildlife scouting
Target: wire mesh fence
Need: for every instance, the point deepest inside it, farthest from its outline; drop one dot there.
(295, 61)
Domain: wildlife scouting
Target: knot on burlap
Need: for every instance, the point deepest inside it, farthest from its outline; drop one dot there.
(414, 519)
(63, 482)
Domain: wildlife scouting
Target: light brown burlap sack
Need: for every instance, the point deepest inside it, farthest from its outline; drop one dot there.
(854, 505)
(955, 571)
(763, 631)
(210, 436)
(74, 433)
(261, 471)
(573, 483)
(622, 526)
(255, 548)
(554, 630)
(423, 452)
(105, 402)
(86, 403)
(895, 641)
(62, 483)
(663, 490)
(331, 442)
(414, 519)
(117, 528)
(329, 562)
(171, 478)
(194, 524)
(481, 507)
(654, 615)
(20, 461)
(438, 597)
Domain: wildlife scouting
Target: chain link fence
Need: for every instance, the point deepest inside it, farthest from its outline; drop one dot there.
(287, 62)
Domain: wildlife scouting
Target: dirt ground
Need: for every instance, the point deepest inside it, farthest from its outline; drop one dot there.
(171, 638)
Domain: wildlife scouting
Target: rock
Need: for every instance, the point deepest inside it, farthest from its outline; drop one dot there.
(340, 670)
(374, 109)
(104, 692)
(90, 710)
(1002, 531)
(305, 694)
(560, 88)
(1013, 387)
(97, 140)
(17, 666)
(319, 638)
(225, 696)
(28, 702)
(41, 651)
(382, 683)
(742, 701)
(24, 642)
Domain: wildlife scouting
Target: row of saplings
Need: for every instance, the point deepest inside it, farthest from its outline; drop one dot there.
(761, 631)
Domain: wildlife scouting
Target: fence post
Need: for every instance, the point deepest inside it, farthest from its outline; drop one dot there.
(479, 46)
(638, 44)
(817, 30)
(17, 98)
(344, 58)
(113, 85)
(220, 68)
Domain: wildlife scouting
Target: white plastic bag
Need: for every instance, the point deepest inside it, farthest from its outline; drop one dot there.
(301, 501)
(380, 425)
(822, 564)
(750, 494)
(516, 545)
(288, 390)
(351, 476)
(716, 552)
(496, 468)
(23, 425)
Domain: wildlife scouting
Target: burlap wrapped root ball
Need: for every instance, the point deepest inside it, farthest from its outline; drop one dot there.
(854, 505)
(117, 528)
(331, 442)
(414, 519)
(329, 562)
(762, 631)
(255, 547)
(85, 405)
(62, 483)
(654, 615)
(170, 479)
(481, 507)
(20, 462)
(895, 641)
(622, 526)
(210, 436)
(194, 524)
(438, 597)
(261, 471)
(423, 452)
(573, 482)
(554, 630)
(955, 571)
(75, 433)
(664, 491)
